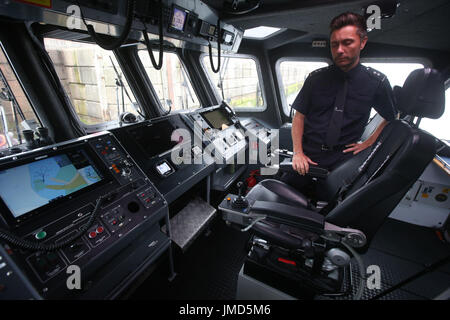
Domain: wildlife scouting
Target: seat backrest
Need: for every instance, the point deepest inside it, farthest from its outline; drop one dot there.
(403, 155)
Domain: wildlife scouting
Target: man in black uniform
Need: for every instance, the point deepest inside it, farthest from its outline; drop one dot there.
(334, 103)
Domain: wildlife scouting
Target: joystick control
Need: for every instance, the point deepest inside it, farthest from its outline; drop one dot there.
(240, 202)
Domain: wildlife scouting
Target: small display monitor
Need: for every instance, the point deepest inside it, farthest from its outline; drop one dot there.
(164, 168)
(30, 186)
(211, 30)
(228, 37)
(178, 19)
(218, 119)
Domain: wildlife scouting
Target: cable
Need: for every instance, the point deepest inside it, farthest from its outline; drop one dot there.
(116, 43)
(158, 65)
(252, 224)
(359, 292)
(218, 50)
(36, 246)
(234, 9)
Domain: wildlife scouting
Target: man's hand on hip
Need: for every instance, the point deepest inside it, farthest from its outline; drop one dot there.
(301, 162)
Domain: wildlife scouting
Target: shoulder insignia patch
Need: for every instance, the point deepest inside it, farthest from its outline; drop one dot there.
(317, 71)
(374, 73)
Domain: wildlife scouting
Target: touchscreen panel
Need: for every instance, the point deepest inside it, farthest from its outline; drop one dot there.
(217, 119)
(32, 185)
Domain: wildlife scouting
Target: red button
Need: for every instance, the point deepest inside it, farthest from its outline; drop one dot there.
(92, 234)
(100, 229)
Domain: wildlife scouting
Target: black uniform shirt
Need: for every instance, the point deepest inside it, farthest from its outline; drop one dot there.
(367, 88)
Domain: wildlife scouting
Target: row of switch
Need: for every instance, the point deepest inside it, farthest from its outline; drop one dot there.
(147, 198)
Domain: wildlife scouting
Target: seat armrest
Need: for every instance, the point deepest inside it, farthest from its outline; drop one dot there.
(314, 171)
(290, 215)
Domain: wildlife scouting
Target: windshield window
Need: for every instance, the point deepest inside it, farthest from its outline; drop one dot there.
(171, 82)
(292, 75)
(93, 80)
(237, 81)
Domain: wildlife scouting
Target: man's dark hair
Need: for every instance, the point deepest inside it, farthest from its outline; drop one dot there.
(349, 19)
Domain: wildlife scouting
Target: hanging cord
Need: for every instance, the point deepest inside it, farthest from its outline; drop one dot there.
(158, 65)
(121, 84)
(116, 43)
(218, 50)
(428, 269)
(36, 246)
(362, 281)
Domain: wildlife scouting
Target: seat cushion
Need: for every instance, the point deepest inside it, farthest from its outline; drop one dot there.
(277, 191)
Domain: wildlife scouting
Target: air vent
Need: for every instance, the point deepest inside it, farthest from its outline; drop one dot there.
(319, 43)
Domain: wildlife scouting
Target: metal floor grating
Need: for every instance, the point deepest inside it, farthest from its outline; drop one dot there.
(209, 269)
(401, 250)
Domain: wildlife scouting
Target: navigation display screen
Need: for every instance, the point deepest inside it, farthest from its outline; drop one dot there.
(164, 169)
(178, 19)
(218, 119)
(155, 138)
(30, 186)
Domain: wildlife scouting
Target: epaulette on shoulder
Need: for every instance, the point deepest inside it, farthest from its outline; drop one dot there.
(318, 71)
(375, 73)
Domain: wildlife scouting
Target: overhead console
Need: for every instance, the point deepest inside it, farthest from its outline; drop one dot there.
(184, 23)
(223, 138)
(166, 151)
(82, 203)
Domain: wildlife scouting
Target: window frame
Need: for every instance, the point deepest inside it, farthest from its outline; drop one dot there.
(27, 94)
(285, 107)
(260, 79)
(161, 108)
(426, 62)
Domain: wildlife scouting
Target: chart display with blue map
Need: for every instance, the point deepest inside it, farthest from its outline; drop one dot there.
(33, 185)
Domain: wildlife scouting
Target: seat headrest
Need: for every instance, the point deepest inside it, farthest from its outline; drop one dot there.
(422, 94)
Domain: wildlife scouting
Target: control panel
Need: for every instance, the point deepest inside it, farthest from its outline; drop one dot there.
(168, 153)
(256, 131)
(80, 205)
(183, 22)
(221, 132)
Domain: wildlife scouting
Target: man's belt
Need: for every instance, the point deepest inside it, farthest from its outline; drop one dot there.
(324, 147)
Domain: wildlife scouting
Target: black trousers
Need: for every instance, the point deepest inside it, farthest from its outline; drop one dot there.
(308, 185)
